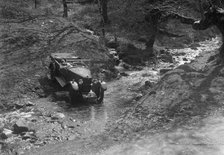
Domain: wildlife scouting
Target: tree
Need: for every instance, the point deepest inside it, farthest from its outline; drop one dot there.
(157, 16)
(36, 2)
(153, 18)
(65, 6)
(103, 10)
(102, 4)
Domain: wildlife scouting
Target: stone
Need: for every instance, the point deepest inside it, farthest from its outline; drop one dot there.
(28, 135)
(113, 52)
(57, 116)
(6, 133)
(20, 126)
(30, 103)
(164, 70)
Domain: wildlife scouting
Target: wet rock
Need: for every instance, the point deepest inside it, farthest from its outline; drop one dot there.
(57, 116)
(20, 126)
(164, 70)
(6, 133)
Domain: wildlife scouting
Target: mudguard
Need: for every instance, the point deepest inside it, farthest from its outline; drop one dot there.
(61, 81)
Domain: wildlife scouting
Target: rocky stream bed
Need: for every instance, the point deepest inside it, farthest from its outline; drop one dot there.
(50, 122)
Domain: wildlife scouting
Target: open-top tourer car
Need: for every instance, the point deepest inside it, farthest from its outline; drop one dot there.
(72, 72)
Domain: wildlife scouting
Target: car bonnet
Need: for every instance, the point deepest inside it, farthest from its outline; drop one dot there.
(81, 71)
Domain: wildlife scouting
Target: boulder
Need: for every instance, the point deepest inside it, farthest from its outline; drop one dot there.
(20, 126)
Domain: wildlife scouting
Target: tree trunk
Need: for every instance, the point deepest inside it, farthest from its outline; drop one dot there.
(153, 18)
(36, 3)
(65, 6)
(103, 10)
(201, 9)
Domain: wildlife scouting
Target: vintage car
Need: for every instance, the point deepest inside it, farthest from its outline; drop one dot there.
(72, 72)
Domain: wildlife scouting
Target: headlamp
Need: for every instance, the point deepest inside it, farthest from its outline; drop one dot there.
(80, 82)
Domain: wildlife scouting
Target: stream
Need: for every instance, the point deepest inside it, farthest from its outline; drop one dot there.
(121, 93)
